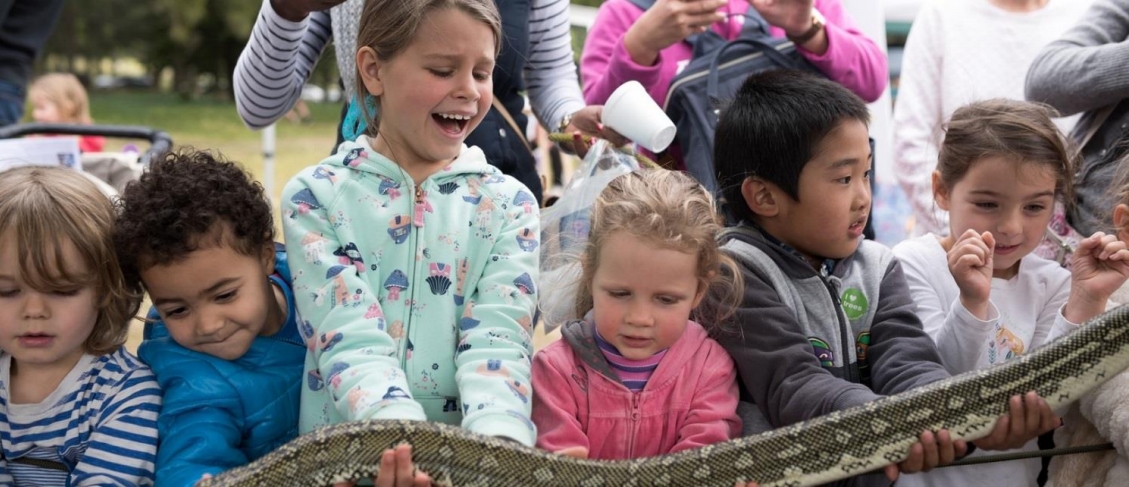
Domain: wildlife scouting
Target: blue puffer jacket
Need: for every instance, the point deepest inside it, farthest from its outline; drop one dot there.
(221, 414)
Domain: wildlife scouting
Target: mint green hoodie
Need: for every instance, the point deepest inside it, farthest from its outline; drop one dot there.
(417, 301)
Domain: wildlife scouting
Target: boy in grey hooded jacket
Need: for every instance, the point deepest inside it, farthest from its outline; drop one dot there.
(827, 321)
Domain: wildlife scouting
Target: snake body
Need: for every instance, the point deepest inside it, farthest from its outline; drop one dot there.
(831, 447)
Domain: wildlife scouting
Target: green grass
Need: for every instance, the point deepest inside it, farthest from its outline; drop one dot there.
(211, 123)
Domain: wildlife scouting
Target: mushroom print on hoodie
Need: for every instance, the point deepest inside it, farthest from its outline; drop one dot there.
(419, 299)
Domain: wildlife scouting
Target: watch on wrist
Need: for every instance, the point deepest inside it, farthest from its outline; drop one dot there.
(565, 122)
(817, 24)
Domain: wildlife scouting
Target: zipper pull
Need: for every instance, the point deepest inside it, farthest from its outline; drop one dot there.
(635, 406)
(421, 206)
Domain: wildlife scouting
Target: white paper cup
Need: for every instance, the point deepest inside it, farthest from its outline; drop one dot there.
(634, 114)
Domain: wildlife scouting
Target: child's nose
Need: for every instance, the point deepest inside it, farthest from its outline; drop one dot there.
(209, 324)
(1012, 224)
(467, 87)
(639, 314)
(35, 306)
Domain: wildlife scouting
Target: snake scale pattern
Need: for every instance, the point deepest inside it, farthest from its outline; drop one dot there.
(831, 447)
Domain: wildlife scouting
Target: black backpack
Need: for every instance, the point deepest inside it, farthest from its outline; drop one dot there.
(712, 77)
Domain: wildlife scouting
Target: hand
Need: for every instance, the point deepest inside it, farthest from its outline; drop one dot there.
(931, 452)
(589, 121)
(668, 22)
(296, 10)
(573, 451)
(396, 470)
(1028, 417)
(970, 263)
(586, 122)
(1101, 265)
(794, 16)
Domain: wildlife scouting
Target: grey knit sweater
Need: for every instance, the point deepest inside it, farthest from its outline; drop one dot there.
(1087, 68)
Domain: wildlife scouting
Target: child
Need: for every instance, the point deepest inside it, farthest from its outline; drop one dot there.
(222, 336)
(1100, 416)
(981, 293)
(637, 377)
(826, 322)
(946, 65)
(75, 407)
(60, 98)
(418, 258)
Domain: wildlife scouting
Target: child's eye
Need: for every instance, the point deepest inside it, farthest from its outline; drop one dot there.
(668, 300)
(1035, 208)
(868, 173)
(846, 180)
(8, 293)
(66, 292)
(618, 294)
(228, 296)
(986, 205)
(176, 313)
(481, 75)
(442, 73)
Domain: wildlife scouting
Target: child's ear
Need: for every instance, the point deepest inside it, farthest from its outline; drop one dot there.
(703, 286)
(266, 256)
(368, 64)
(759, 196)
(940, 191)
(1121, 222)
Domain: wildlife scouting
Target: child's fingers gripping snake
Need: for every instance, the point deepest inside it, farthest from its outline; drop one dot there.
(831, 447)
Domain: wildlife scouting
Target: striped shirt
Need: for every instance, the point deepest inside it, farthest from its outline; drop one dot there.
(634, 374)
(280, 55)
(100, 423)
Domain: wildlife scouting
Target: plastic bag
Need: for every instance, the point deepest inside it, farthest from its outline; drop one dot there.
(564, 229)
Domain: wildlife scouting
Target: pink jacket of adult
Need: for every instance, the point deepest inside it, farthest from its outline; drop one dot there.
(852, 59)
(690, 400)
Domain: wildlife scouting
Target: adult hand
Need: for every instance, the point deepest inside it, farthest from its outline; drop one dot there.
(296, 10)
(396, 470)
(587, 122)
(970, 263)
(794, 16)
(933, 450)
(668, 22)
(1100, 266)
(1028, 417)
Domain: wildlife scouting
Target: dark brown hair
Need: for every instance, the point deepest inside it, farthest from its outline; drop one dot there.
(1017, 130)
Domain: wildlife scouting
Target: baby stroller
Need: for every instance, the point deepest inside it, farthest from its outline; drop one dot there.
(111, 171)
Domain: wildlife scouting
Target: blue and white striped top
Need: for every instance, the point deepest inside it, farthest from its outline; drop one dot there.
(100, 423)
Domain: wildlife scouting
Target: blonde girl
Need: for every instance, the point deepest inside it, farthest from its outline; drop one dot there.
(60, 98)
(638, 376)
(415, 261)
(75, 407)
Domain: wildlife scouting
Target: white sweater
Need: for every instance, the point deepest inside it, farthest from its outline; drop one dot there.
(1026, 311)
(961, 51)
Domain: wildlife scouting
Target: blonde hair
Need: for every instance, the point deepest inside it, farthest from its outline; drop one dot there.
(46, 207)
(65, 91)
(390, 26)
(671, 210)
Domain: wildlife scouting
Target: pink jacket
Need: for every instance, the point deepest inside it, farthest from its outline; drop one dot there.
(852, 59)
(690, 401)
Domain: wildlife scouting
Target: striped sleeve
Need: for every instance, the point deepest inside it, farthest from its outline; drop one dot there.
(275, 64)
(122, 448)
(550, 73)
